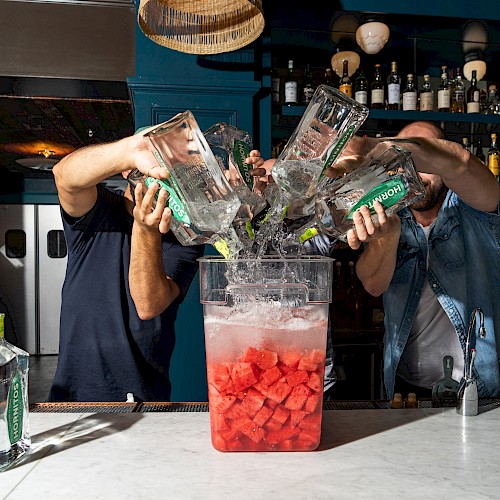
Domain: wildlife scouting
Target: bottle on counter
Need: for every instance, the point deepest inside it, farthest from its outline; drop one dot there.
(309, 86)
(444, 92)
(345, 82)
(15, 439)
(494, 157)
(361, 88)
(479, 150)
(426, 95)
(291, 86)
(458, 94)
(473, 95)
(410, 94)
(393, 87)
(377, 90)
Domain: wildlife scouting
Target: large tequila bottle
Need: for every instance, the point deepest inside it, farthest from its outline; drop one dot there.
(200, 197)
(390, 178)
(231, 146)
(15, 437)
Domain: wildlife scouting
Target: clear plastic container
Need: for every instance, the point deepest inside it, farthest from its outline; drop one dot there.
(265, 337)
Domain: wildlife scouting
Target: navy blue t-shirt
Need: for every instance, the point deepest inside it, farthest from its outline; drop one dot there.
(105, 349)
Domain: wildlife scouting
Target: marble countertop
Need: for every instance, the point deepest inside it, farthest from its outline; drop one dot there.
(410, 453)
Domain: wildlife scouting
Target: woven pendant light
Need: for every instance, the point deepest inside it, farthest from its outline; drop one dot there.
(201, 26)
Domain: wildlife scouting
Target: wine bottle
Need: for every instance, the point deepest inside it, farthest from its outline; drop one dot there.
(377, 90)
(473, 95)
(361, 88)
(444, 92)
(410, 94)
(393, 87)
(426, 95)
(291, 86)
(345, 82)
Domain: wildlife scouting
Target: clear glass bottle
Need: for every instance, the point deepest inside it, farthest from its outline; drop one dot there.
(377, 90)
(345, 82)
(494, 157)
(409, 94)
(426, 95)
(309, 86)
(458, 94)
(361, 88)
(393, 87)
(465, 143)
(479, 150)
(15, 439)
(444, 101)
(291, 86)
(492, 104)
(473, 95)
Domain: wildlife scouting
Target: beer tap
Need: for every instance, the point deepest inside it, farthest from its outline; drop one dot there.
(467, 400)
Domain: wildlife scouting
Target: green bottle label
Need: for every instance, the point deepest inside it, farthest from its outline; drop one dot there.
(249, 230)
(174, 202)
(338, 148)
(308, 234)
(15, 410)
(221, 246)
(240, 153)
(387, 193)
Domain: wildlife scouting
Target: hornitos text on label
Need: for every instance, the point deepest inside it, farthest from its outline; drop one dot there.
(388, 194)
(338, 148)
(240, 153)
(174, 202)
(15, 410)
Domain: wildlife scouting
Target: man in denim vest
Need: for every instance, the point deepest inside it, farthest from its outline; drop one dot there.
(434, 262)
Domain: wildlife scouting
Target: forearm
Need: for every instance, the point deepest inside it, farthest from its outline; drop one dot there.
(151, 291)
(375, 266)
(461, 171)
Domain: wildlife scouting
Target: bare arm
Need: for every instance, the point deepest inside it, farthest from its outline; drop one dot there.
(461, 171)
(375, 266)
(78, 174)
(151, 291)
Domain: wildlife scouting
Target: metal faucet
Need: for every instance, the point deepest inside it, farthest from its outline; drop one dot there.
(467, 398)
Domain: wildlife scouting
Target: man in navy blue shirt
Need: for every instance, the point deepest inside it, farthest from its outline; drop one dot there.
(125, 278)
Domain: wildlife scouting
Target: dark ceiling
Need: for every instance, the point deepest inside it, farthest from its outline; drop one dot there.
(58, 117)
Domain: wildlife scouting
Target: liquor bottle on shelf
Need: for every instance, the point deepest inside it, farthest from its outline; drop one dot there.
(361, 88)
(345, 82)
(444, 92)
(494, 156)
(426, 95)
(458, 94)
(473, 105)
(291, 86)
(492, 105)
(465, 143)
(479, 150)
(309, 87)
(377, 90)
(276, 87)
(410, 94)
(393, 87)
(329, 78)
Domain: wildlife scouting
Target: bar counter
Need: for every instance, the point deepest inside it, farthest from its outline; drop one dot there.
(364, 453)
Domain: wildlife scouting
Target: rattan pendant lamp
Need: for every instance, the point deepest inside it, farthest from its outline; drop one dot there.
(201, 26)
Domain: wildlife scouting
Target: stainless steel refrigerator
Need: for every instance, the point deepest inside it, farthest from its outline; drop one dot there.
(32, 268)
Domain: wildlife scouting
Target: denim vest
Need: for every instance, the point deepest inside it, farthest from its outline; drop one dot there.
(464, 272)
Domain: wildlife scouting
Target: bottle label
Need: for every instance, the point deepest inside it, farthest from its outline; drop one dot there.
(443, 98)
(290, 92)
(387, 193)
(493, 164)
(427, 101)
(174, 202)
(346, 89)
(473, 107)
(308, 93)
(459, 96)
(393, 93)
(378, 96)
(361, 96)
(409, 101)
(15, 409)
(241, 152)
(309, 233)
(338, 148)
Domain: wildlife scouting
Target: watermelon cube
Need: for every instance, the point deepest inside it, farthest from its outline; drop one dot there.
(315, 382)
(290, 358)
(270, 376)
(253, 431)
(262, 416)
(273, 425)
(311, 403)
(236, 411)
(311, 422)
(297, 397)
(312, 360)
(297, 377)
(263, 358)
(296, 416)
(218, 375)
(221, 402)
(253, 401)
(278, 391)
(244, 375)
(281, 414)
